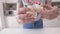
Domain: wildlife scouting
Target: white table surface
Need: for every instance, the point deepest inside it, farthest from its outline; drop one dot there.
(30, 31)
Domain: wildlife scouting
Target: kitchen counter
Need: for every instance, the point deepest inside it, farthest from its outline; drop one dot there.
(30, 31)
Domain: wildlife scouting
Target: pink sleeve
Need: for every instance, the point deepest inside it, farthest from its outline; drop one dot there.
(33, 2)
(37, 2)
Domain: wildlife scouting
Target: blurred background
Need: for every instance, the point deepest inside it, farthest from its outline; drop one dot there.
(8, 9)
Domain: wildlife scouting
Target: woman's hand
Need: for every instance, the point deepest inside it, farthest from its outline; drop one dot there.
(49, 12)
(25, 15)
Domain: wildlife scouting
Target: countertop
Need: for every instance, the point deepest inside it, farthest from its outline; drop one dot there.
(30, 31)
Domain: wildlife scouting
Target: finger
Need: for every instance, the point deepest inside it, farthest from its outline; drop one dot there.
(47, 7)
(22, 11)
(20, 21)
(54, 9)
(49, 3)
(26, 21)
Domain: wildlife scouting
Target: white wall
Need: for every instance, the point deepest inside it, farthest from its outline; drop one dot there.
(1, 14)
(2, 0)
(0, 21)
(11, 1)
(55, 0)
